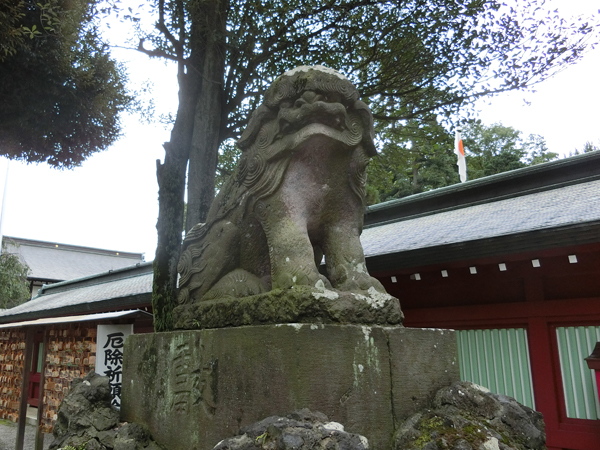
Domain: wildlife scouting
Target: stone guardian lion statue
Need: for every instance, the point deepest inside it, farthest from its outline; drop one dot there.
(297, 195)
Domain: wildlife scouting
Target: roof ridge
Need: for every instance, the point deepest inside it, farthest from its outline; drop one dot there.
(102, 278)
(71, 247)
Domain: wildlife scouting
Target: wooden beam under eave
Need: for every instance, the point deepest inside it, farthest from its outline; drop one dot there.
(25, 388)
(39, 434)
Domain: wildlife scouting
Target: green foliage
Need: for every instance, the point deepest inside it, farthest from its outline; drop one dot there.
(495, 149)
(444, 433)
(12, 35)
(538, 150)
(16, 30)
(14, 288)
(419, 156)
(429, 427)
(261, 439)
(228, 156)
(492, 149)
(412, 59)
(61, 92)
(408, 57)
(415, 157)
(587, 147)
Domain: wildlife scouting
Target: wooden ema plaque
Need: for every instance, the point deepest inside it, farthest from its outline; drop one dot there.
(12, 354)
(71, 354)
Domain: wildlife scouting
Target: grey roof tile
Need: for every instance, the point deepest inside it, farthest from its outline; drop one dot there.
(50, 261)
(86, 295)
(547, 209)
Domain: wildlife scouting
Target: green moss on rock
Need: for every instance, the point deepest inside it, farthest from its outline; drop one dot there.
(468, 417)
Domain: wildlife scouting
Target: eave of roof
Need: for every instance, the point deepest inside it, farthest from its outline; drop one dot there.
(519, 243)
(556, 204)
(113, 290)
(131, 314)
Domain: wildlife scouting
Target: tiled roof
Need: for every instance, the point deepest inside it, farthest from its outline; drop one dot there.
(554, 208)
(109, 291)
(563, 206)
(57, 262)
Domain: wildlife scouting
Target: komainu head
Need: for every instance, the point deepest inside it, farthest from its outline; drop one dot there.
(310, 96)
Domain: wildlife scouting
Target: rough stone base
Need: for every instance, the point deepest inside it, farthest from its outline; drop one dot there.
(87, 420)
(465, 416)
(302, 304)
(300, 430)
(194, 388)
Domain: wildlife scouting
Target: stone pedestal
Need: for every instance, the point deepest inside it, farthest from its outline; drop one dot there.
(195, 388)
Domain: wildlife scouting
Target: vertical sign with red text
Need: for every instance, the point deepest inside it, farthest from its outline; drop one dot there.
(109, 356)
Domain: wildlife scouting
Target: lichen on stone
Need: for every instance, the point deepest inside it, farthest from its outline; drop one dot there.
(465, 416)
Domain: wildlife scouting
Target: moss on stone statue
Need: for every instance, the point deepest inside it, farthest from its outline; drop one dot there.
(300, 304)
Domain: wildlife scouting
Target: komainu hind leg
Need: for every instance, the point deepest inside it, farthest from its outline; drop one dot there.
(207, 258)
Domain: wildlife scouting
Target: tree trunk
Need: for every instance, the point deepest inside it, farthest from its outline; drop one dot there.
(208, 120)
(196, 133)
(171, 188)
(415, 178)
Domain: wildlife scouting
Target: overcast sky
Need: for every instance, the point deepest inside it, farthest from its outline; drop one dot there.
(111, 200)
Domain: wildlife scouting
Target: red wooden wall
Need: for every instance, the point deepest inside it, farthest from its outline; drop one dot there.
(558, 293)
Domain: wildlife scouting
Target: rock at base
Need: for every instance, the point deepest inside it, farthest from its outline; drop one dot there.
(301, 430)
(465, 416)
(86, 418)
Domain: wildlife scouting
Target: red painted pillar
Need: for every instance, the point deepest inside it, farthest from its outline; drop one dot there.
(544, 386)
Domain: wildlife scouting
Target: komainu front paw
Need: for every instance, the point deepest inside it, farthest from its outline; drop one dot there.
(354, 277)
(298, 276)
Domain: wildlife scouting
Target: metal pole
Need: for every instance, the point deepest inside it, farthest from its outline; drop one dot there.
(3, 203)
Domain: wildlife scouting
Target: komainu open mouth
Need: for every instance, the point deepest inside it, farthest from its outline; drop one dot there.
(292, 119)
